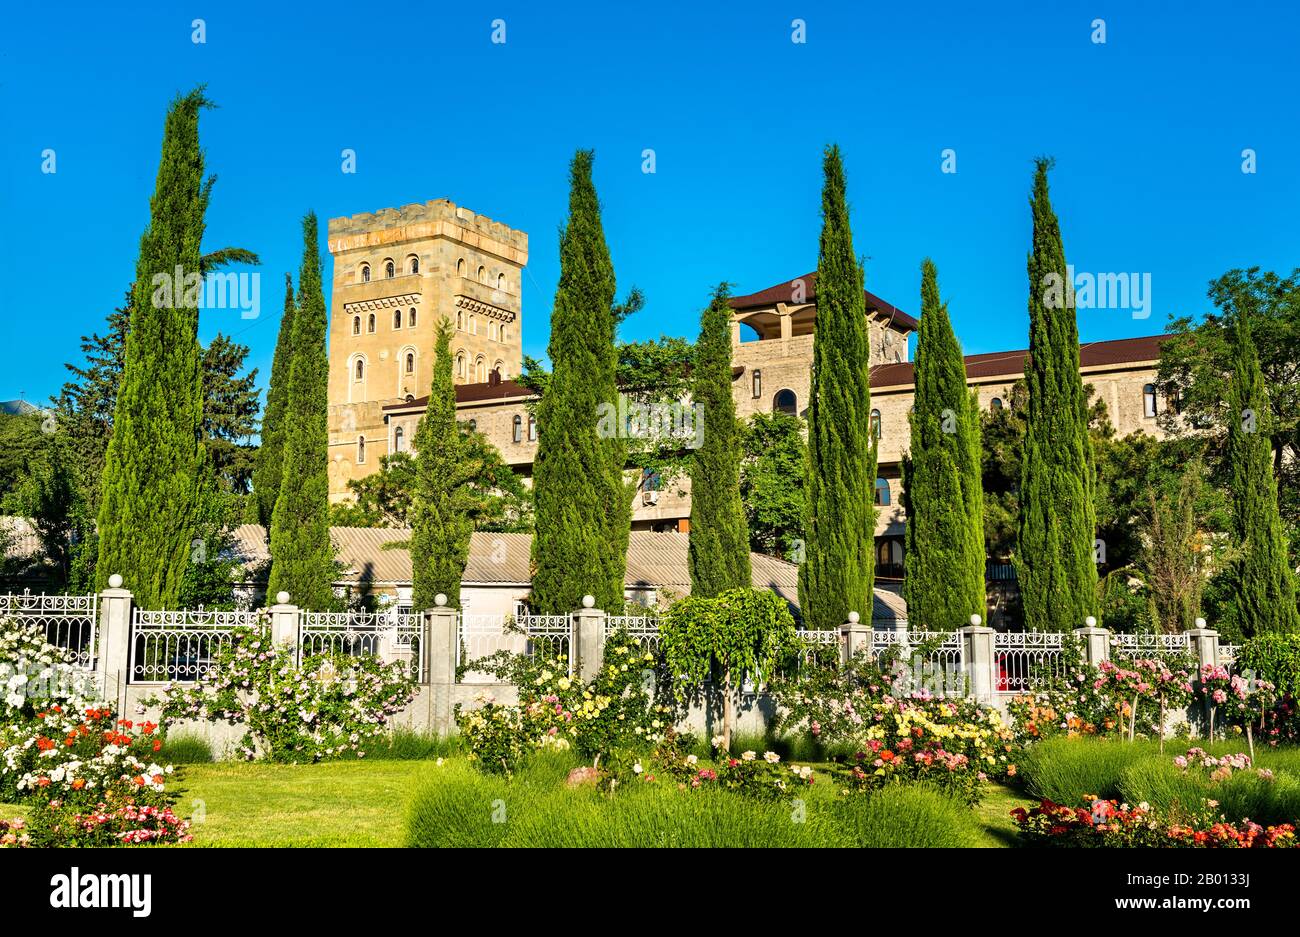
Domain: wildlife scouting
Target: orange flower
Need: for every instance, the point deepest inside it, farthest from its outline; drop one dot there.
(78, 784)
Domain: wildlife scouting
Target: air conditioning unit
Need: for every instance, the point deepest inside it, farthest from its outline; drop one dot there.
(649, 497)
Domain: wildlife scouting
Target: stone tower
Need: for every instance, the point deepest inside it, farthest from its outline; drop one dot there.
(397, 272)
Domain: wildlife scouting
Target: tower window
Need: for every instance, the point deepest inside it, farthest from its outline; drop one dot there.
(501, 281)
(415, 265)
(480, 370)
(460, 267)
(389, 269)
(482, 275)
(517, 425)
(361, 449)
(460, 320)
(410, 318)
(370, 323)
(365, 273)
(1148, 400)
(410, 362)
(786, 402)
(361, 369)
(758, 384)
(397, 319)
(356, 325)
(875, 425)
(460, 365)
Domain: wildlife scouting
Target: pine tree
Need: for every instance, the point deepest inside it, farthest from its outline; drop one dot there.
(269, 468)
(583, 503)
(154, 469)
(719, 541)
(837, 575)
(1265, 584)
(302, 558)
(943, 492)
(229, 413)
(1054, 558)
(441, 523)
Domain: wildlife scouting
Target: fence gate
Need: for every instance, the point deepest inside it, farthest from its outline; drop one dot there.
(69, 621)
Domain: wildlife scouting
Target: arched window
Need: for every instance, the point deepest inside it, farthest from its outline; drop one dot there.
(410, 318)
(882, 492)
(365, 273)
(473, 325)
(390, 269)
(496, 331)
(360, 369)
(532, 428)
(1148, 400)
(482, 275)
(413, 264)
(875, 424)
(500, 368)
(786, 402)
(517, 428)
(758, 384)
(397, 318)
(480, 369)
(460, 321)
(370, 323)
(501, 282)
(995, 403)
(460, 364)
(356, 325)
(399, 439)
(361, 449)
(410, 362)
(460, 267)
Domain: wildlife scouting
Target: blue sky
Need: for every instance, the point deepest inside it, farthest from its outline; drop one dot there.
(1147, 130)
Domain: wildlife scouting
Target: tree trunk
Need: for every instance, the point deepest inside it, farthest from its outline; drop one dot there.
(727, 714)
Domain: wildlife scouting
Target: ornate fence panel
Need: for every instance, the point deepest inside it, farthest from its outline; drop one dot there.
(180, 646)
(936, 659)
(69, 621)
(391, 636)
(644, 629)
(482, 635)
(549, 636)
(1141, 646)
(1028, 660)
(1228, 655)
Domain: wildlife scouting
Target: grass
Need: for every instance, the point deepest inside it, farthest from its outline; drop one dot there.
(185, 749)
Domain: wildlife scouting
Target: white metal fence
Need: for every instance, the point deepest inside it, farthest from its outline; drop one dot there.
(1029, 660)
(391, 636)
(180, 646)
(69, 621)
(1145, 646)
(482, 635)
(643, 629)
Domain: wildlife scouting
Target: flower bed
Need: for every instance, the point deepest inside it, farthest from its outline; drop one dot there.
(1107, 823)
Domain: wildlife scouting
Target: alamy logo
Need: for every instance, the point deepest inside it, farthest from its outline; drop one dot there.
(1098, 291)
(181, 290)
(651, 421)
(104, 890)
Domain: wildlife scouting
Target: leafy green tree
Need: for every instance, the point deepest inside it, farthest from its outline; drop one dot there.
(1173, 560)
(719, 542)
(1266, 588)
(229, 413)
(583, 503)
(302, 557)
(1054, 559)
(837, 575)
(772, 484)
(441, 527)
(944, 578)
(155, 469)
(269, 464)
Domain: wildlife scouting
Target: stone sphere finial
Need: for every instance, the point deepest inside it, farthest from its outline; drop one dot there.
(115, 581)
(975, 620)
(282, 597)
(1090, 621)
(440, 600)
(1200, 622)
(588, 601)
(854, 617)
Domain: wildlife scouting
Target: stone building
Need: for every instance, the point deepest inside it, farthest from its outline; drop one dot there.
(397, 271)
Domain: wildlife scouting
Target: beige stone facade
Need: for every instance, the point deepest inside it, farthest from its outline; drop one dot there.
(397, 273)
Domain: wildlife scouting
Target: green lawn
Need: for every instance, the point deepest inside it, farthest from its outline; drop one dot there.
(363, 803)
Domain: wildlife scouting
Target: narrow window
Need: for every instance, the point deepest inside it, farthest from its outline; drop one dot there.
(758, 384)
(518, 428)
(361, 449)
(460, 267)
(415, 264)
(482, 275)
(399, 439)
(365, 273)
(460, 321)
(1148, 400)
(460, 365)
(410, 319)
(370, 323)
(882, 492)
(875, 425)
(397, 319)
(356, 325)
(501, 282)
(410, 362)
(505, 333)
(532, 428)
(480, 370)
(389, 269)
(361, 368)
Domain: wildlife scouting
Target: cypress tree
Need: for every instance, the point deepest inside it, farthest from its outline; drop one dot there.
(943, 493)
(583, 503)
(837, 575)
(270, 454)
(719, 542)
(1265, 585)
(302, 558)
(154, 471)
(1054, 557)
(441, 524)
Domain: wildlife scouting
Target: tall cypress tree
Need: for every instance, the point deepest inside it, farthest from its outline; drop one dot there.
(838, 573)
(441, 524)
(302, 558)
(719, 543)
(943, 492)
(154, 472)
(1265, 585)
(583, 503)
(270, 454)
(1054, 556)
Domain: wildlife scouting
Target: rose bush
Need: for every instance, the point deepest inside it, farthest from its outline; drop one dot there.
(1106, 823)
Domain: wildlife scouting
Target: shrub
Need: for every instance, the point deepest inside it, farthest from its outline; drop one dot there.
(1105, 823)
(1239, 791)
(909, 817)
(1274, 657)
(1065, 770)
(35, 675)
(185, 749)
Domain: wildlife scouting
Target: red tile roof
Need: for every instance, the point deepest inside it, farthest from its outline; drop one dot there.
(781, 294)
(997, 363)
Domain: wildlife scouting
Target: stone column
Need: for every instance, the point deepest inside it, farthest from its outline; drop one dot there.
(440, 648)
(855, 638)
(1095, 641)
(587, 643)
(284, 622)
(1204, 644)
(113, 661)
(977, 652)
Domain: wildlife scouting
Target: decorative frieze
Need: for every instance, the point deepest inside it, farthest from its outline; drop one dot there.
(480, 308)
(386, 302)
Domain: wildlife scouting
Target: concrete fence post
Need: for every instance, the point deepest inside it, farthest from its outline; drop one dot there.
(855, 638)
(1095, 642)
(587, 644)
(113, 661)
(1204, 644)
(440, 648)
(977, 653)
(284, 622)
